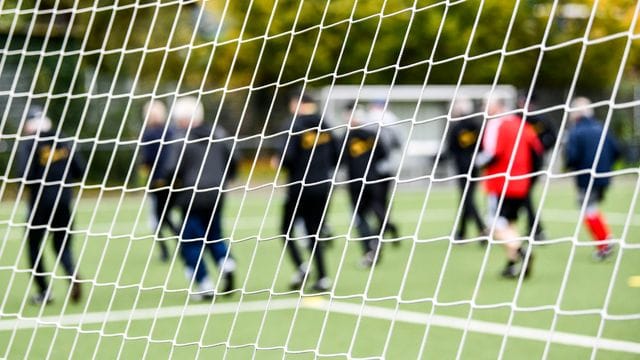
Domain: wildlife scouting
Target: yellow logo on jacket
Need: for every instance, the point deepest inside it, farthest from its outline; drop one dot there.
(467, 138)
(58, 154)
(357, 147)
(308, 139)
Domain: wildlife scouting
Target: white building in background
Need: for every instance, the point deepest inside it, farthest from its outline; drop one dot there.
(418, 113)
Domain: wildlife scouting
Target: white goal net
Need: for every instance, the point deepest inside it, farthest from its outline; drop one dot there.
(319, 179)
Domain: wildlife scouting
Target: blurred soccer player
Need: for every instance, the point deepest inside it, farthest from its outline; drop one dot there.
(363, 152)
(154, 155)
(389, 166)
(515, 147)
(547, 136)
(582, 154)
(203, 163)
(462, 140)
(48, 166)
(309, 157)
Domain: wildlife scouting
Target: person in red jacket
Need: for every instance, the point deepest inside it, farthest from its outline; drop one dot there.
(514, 150)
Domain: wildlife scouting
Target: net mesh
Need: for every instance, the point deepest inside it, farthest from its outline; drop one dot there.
(92, 66)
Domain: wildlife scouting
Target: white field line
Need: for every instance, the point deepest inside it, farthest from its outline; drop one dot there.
(375, 312)
(484, 327)
(146, 314)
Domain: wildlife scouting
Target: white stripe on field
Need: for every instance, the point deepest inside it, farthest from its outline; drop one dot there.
(478, 326)
(146, 314)
(376, 312)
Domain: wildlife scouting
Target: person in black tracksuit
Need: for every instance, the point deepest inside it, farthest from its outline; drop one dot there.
(363, 152)
(462, 138)
(309, 157)
(48, 166)
(201, 164)
(154, 155)
(547, 136)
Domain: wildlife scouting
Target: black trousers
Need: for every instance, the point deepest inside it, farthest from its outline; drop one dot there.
(368, 199)
(531, 212)
(52, 208)
(469, 210)
(160, 208)
(310, 207)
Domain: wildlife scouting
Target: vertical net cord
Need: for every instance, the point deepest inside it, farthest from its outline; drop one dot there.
(607, 123)
(278, 171)
(434, 300)
(101, 194)
(563, 286)
(23, 185)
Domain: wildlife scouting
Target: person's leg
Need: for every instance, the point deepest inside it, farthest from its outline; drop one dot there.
(220, 250)
(385, 194)
(376, 204)
(464, 214)
(596, 222)
(474, 214)
(361, 203)
(314, 200)
(157, 217)
(62, 243)
(36, 240)
(289, 213)
(506, 230)
(191, 249)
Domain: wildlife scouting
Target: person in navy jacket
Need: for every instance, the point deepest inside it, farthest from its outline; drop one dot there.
(582, 154)
(155, 154)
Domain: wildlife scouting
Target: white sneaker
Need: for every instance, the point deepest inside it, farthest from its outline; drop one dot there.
(298, 277)
(322, 285)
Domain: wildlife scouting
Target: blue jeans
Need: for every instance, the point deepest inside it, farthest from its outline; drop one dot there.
(192, 244)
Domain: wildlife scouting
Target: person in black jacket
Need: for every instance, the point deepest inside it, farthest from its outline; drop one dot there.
(201, 164)
(547, 135)
(309, 157)
(47, 166)
(155, 153)
(363, 152)
(590, 147)
(462, 138)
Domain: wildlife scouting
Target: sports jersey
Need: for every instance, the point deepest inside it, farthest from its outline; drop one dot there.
(506, 144)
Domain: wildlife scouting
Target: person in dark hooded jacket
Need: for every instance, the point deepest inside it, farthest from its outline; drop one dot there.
(202, 162)
(310, 156)
(364, 151)
(582, 154)
(155, 153)
(48, 166)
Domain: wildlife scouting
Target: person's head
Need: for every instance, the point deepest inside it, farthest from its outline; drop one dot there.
(378, 104)
(155, 112)
(581, 108)
(522, 101)
(37, 121)
(461, 106)
(495, 105)
(356, 115)
(306, 106)
(187, 112)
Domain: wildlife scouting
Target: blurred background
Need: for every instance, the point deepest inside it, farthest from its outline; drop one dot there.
(93, 64)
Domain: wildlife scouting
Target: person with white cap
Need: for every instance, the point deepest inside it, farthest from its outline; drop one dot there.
(47, 166)
(201, 164)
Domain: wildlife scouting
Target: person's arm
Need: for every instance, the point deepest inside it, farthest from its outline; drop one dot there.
(290, 151)
(537, 149)
(22, 158)
(616, 148)
(78, 166)
(572, 150)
